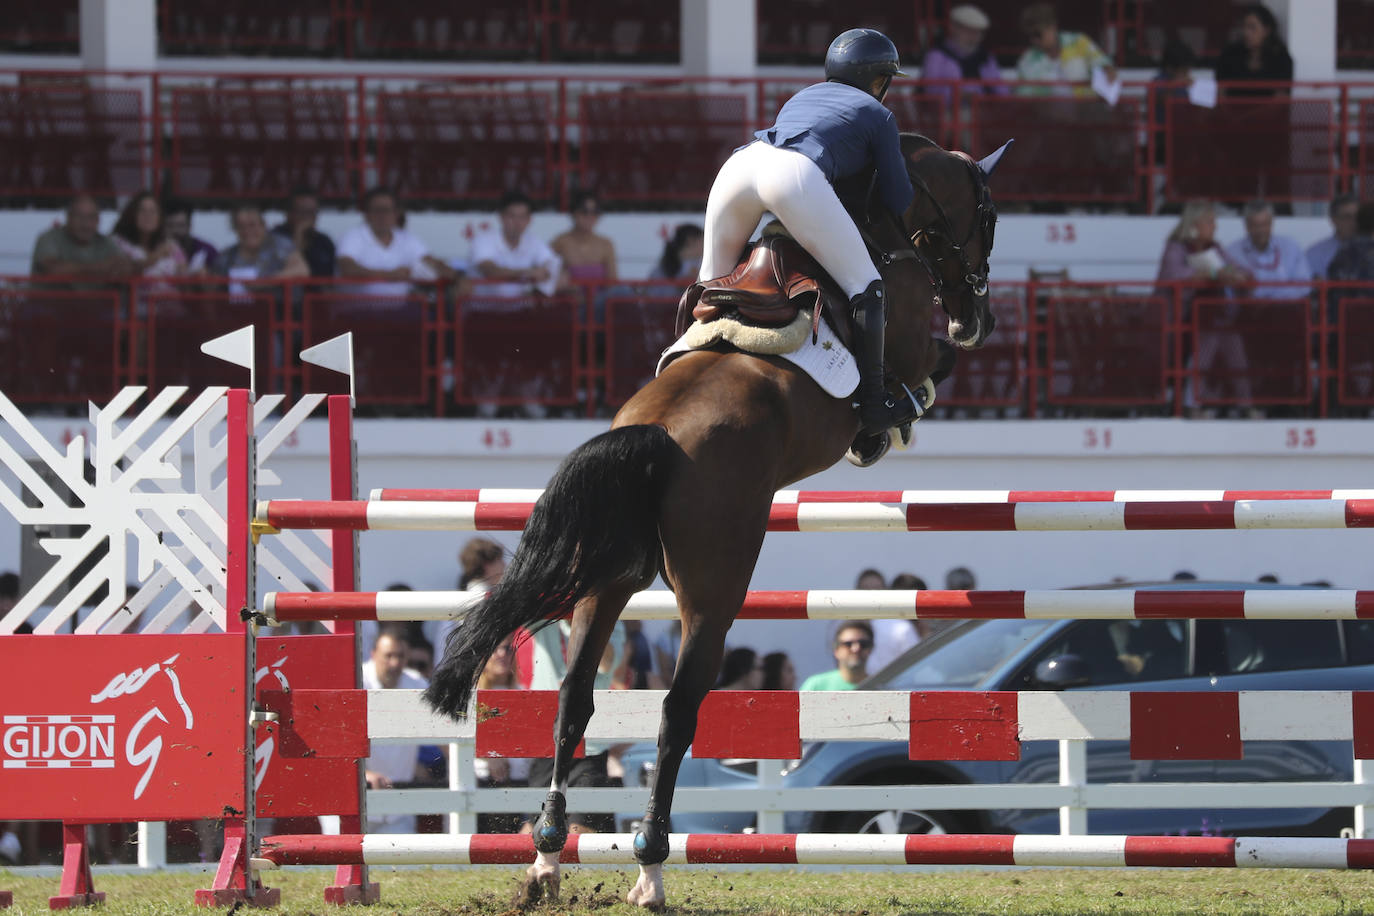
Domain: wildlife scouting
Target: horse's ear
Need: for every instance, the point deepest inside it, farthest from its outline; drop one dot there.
(989, 163)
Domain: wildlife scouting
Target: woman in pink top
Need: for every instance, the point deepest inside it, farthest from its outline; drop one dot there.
(587, 257)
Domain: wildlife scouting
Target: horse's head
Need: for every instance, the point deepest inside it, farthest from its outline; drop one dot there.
(951, 221)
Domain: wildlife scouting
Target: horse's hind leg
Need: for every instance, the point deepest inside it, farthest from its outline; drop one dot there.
(592, 624)
(711, 576)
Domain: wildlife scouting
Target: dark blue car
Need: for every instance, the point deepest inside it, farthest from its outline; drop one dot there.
(1146, 655)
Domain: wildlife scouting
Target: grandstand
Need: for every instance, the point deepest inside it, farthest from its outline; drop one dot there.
(451, 104)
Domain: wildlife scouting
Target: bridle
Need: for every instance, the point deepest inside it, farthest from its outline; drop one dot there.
(941, 238)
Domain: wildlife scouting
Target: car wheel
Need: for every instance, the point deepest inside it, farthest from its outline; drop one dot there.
(903, 821)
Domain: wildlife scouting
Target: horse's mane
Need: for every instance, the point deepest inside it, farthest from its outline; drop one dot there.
(914, 141)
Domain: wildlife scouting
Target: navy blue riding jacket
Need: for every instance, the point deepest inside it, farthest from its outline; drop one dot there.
(844, 131)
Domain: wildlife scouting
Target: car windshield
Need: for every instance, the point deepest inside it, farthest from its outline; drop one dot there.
(964, 659)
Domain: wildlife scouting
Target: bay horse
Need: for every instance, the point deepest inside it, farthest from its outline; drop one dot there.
(682, 484)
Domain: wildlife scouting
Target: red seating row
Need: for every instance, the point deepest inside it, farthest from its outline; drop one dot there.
(1057, 346)
(654, 143)
(791, 32)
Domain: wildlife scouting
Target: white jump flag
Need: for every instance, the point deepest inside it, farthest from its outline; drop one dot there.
(235, 347)
(335, 354)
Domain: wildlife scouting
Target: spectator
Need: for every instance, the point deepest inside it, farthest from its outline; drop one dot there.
(1192, 252)
(1055, 55)
(681, 258)
(1171, 82)
(500, 772)
(1355, 260)
(381, 251)
(1259, 54)
(1269, 257)
(741, 670)
(1185, 575)
(511, 254)
(852, 646)
(870, 579)
(958, 53)
(961, 579)
(666, 648)
(390, 764)
(142, 235)
(1342, 212)
(778, 672)
(200, 254)
(258, 254)
(302, 210)
(1268, 579)
(483, 563)
(421, 657)
(892, 637)
(587, 257)
(641, 658)
(77, 249)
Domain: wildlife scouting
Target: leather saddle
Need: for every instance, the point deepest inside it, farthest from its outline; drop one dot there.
(774, 282)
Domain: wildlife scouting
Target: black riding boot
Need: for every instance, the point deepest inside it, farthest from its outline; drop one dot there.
(878, 412)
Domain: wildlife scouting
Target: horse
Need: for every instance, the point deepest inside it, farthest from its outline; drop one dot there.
(681, 486)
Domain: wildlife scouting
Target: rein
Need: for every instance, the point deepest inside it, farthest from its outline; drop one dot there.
(976, 282)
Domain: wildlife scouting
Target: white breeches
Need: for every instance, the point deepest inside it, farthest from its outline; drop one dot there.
(760, 178)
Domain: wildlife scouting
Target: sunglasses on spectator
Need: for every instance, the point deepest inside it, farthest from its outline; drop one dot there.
(856, 644)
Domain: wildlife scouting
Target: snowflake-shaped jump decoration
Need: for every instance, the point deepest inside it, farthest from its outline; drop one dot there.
(119, 504)
(133, 495)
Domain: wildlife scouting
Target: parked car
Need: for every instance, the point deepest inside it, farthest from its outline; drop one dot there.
(1160, 655)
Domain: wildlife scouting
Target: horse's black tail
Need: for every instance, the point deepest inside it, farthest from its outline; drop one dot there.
(595, 525)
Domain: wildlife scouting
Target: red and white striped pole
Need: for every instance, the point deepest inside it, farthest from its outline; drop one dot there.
(833, 849)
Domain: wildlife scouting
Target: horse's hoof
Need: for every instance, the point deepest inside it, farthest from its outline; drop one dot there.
(867, 450)
(648, 891)
(551, 829)
(542, 884)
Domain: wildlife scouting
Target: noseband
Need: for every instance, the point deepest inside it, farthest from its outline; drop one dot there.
(941, 237)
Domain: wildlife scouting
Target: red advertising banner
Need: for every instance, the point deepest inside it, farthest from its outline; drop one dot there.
(122, 728)
(299, 786)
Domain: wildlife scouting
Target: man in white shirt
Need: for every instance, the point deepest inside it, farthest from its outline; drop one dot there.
(511, 254)
(1342, 212)
(382, 252)
(391, 763)
(1270, 257)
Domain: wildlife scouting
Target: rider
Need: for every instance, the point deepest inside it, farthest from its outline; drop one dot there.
(827, 132)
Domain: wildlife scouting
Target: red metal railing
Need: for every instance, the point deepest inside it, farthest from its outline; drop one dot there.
(652, 142)
(1083, 348)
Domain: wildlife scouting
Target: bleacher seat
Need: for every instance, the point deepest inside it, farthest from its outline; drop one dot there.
(638, 328)
(1067, 149)
(1251, 352)
(1103, 348)
(395, 345)
(261, 142)
(521, 351)
(465, 146)
(64, 346)
(1279, 149)
(660, 148)
(444, 28)
(67, 137)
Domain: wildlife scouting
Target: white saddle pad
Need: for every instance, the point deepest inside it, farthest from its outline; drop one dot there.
(826, 361)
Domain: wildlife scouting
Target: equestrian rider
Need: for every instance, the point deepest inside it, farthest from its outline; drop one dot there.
(827, 132)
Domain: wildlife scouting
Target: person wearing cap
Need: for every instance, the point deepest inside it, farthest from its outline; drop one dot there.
(958, 53)
(827, 132)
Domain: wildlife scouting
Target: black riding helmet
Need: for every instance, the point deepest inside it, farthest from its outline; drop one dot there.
(859, 56)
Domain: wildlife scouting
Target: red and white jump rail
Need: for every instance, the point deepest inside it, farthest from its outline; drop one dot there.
(500, 495)
(935, 725)
(1048, 604)
(828, 849)
(955, 514)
